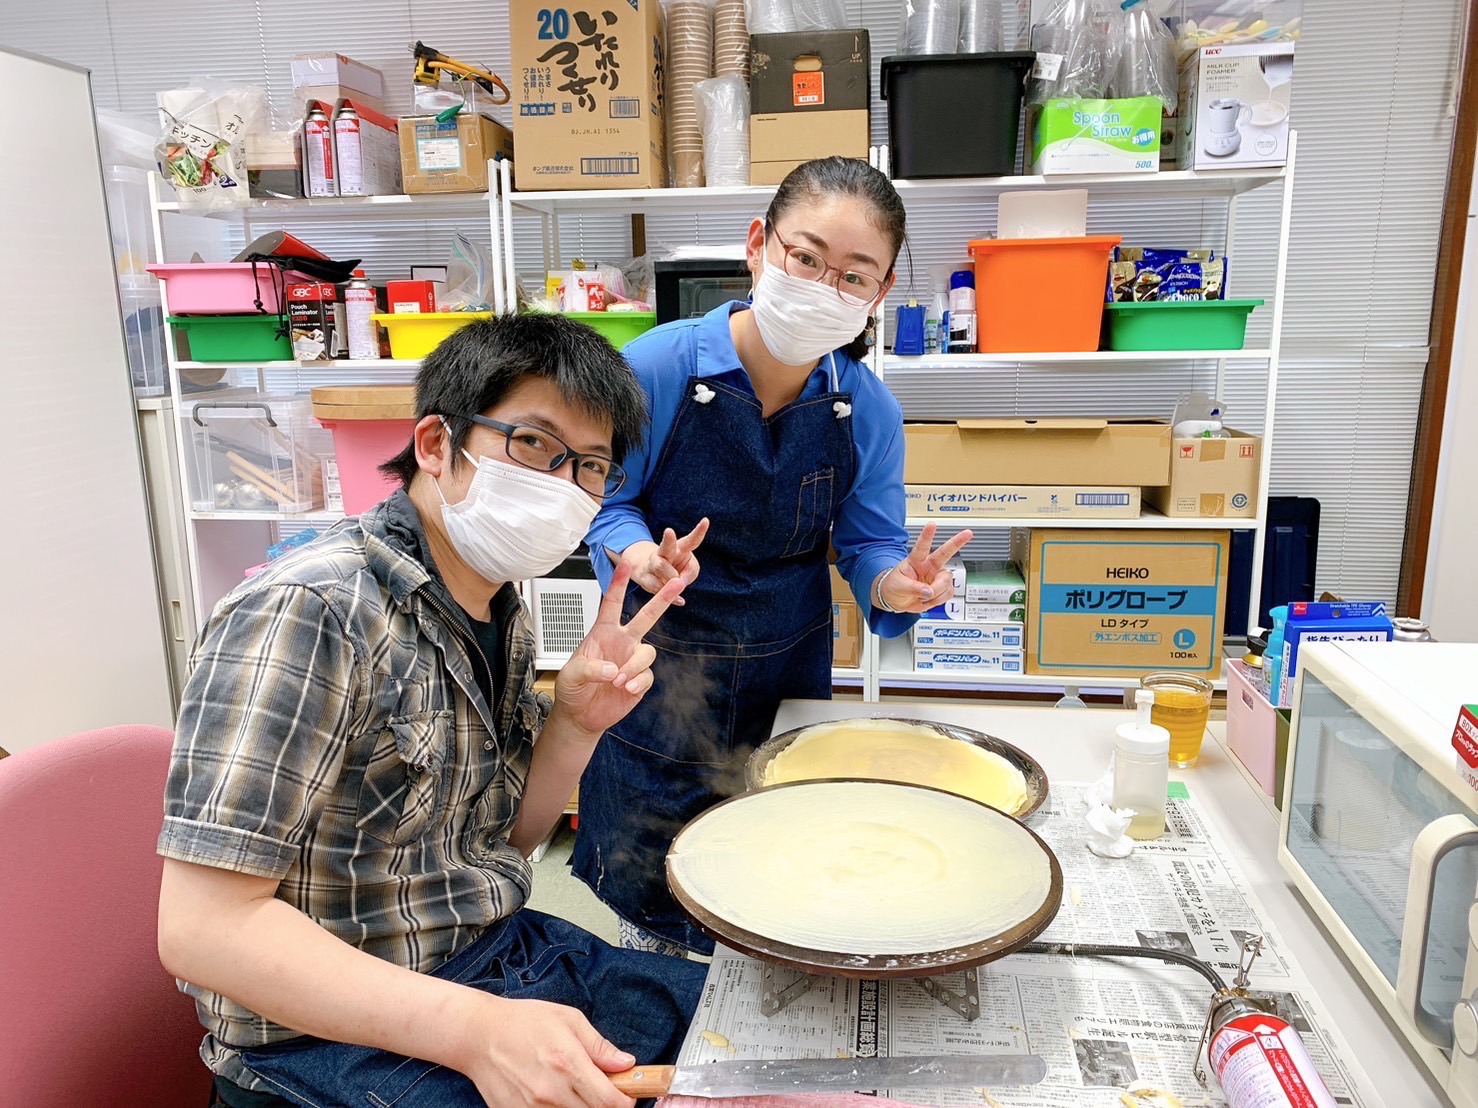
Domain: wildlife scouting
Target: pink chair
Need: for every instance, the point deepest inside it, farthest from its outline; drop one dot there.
(88, 1016)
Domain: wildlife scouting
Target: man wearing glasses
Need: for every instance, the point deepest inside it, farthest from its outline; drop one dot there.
(361, 767)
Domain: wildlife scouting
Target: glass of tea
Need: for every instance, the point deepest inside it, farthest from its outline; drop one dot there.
(1182, 706)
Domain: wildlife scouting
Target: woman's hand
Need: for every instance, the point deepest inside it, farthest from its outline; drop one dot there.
(611, 669)
(653, 564)
(920, 581)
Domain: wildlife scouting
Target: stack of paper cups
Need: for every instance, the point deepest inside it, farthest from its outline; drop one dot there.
(730, 40)
(690, 60)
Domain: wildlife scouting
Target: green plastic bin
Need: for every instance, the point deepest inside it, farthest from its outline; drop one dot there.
(619, 328)
(1179, 324)
(235, 338)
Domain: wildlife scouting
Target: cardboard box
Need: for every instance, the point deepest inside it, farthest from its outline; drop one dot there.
(993, 582)
(846, 623)
(588, 96)
(1464, 741)
(958, 608)
(968, 634)
(1235, 103)
(366, 151)
(1097, 136)
(1211, 478)
(410, 296)
(451, 156)
(934, 660)
(1113, 452)
(323, 70)
(1327, 621)
(1042, 501)
(809, 93)
(1118, 603)
(310, 310)
(333, 491)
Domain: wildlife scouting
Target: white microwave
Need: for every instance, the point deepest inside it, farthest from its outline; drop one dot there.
(1380, 834)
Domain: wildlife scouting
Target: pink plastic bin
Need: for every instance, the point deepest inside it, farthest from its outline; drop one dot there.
(1252, 726)
(223, 288)
(370, 424)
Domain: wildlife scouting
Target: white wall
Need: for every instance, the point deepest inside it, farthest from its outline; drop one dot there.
(1372, 84)
(1450, 597)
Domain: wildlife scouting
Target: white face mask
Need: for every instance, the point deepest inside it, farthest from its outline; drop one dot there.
(516, 523)
(801, 320)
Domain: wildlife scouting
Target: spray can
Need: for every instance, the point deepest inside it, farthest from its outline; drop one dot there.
(1410, 629)
(359, 306)
(1260, 1060)
(318, 153)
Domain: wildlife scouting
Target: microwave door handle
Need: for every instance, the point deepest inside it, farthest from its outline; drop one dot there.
(1436, 841)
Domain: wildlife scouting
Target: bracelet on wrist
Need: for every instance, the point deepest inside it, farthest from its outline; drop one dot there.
(882, 601)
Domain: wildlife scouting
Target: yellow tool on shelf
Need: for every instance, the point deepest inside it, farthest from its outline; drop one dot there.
(431, 64)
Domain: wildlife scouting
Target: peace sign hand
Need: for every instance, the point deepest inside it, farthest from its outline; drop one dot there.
(920, 581)
(655, 564)
(612, 668)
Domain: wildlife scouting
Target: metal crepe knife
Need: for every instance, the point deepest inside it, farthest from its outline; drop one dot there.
(808, 1075)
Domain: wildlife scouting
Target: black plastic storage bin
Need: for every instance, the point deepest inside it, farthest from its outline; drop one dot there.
(954, 115)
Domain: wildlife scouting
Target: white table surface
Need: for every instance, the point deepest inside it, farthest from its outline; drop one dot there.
(1074, 745)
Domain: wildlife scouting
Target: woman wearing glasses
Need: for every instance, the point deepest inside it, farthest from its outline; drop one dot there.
(768, 438)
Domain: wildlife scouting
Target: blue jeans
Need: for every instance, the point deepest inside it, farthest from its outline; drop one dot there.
(642, 1002)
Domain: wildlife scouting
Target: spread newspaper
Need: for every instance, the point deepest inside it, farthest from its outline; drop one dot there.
(1114, 1033)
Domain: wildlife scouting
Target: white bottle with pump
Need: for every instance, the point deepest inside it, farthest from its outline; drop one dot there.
(1142, 769)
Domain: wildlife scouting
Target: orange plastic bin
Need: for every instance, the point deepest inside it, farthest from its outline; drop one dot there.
(1033, 295)
(370, 424)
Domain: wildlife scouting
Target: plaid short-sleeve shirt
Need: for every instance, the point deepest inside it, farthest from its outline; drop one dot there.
(332, 735)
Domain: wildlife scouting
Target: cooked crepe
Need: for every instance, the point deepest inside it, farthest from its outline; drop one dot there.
(862, 867)
(889, 750)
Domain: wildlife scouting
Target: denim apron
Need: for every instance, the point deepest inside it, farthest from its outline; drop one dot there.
(756, 629)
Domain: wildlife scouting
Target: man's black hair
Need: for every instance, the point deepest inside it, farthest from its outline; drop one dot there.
(476, 366)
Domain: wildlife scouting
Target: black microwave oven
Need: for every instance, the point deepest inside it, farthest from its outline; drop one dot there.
(695, 286)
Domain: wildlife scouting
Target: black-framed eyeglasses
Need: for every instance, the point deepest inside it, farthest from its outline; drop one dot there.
(538, 449)
(852, 286)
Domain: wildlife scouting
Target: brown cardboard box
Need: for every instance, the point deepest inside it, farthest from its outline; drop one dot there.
(846, 623)
(1119, 452)
(1037, 502)
(451, 156)
(1122, 603)
(1211, 478)
(588, 99)
(366, 151)
(809, 96)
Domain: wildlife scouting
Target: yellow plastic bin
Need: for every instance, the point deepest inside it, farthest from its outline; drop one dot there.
(413, 335)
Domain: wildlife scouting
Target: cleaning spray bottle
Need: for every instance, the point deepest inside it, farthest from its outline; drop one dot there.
(1272, 657)
(1142, 769)
(936, 320)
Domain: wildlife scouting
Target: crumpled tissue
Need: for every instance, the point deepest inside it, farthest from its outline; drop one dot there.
(1106, 825)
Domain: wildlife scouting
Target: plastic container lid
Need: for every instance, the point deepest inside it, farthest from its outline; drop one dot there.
(962, 279)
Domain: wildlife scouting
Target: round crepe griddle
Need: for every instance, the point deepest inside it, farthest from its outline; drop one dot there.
(713, 916)
(1036, 777)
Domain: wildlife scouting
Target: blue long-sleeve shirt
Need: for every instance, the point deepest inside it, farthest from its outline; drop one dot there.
(869, 534)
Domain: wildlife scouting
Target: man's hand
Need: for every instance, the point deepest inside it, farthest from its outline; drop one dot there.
(539, 1055)
(612, 668)
(920, 581)
(653, 564)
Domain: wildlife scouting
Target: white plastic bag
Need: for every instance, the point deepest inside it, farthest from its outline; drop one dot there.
(723, 113)
(469, 278)
(202, 148)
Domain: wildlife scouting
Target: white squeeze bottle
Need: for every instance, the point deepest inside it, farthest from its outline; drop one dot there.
(1142, 769)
